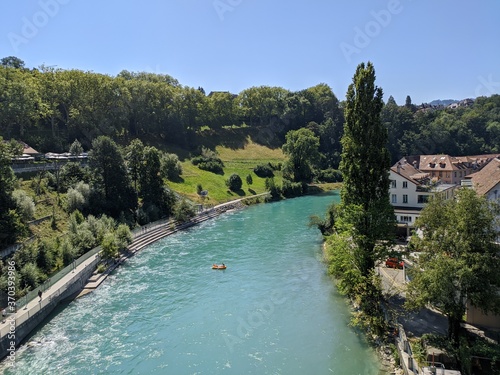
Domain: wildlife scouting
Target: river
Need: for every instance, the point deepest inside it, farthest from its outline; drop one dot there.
(273, 310)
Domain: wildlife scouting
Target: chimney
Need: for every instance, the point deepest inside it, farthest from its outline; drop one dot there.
(399, 167)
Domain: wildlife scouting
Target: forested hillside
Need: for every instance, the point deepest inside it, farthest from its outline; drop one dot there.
(49, 108)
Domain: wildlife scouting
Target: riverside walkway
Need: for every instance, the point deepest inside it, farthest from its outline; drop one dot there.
(142, 237)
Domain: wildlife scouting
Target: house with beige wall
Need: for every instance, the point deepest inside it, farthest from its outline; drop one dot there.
(410, 190)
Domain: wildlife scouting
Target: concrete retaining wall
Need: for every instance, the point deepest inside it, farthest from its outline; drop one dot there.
(33, 316)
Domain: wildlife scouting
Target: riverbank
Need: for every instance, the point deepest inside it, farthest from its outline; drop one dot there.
(383, 347)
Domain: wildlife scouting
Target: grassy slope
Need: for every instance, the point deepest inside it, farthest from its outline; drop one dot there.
(236, 160)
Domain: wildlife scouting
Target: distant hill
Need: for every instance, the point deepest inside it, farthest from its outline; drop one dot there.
(444, 103)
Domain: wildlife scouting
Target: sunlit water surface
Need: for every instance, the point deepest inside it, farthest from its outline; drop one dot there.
(165, 311)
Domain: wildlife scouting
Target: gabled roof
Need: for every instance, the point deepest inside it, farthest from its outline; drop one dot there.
(28, 150)
(409, 172)
(487, 178)
(441, 163)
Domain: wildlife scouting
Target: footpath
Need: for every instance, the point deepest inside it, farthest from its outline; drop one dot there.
(78, 279)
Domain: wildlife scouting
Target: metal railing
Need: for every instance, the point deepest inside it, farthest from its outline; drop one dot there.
(24, 314)
(30, 296)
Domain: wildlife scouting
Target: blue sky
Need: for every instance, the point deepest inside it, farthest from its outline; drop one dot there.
(427, 49)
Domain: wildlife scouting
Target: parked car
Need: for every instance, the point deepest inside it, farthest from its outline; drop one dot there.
(394, 263)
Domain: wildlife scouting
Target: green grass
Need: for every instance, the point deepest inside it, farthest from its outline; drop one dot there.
(241, 161)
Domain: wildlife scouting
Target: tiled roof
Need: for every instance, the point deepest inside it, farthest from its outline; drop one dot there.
(440, 163)
(408, 171)
(487, 178)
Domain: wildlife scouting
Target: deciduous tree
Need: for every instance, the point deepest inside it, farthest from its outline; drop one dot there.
(301, 147)
(458, 259)
(111, 179)
(10, 223)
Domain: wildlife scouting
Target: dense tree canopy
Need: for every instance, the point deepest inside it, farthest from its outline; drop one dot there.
(49, 108)
(458, 259)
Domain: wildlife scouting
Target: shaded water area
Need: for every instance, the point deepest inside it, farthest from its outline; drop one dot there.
(165, 311)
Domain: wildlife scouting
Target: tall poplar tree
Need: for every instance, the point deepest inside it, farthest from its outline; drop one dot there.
(365, 166)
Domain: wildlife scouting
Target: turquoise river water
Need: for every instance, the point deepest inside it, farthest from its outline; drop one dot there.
(165, 311)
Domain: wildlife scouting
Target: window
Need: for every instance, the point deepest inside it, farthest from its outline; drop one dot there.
(440, 174)
(423, 199)
(393, 184)
(455, 174)
(460, 173)
(394, 198)
(405, 184)
(405, 219)
(405, 198)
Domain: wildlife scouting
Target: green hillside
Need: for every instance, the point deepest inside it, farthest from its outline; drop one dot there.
(241, 161)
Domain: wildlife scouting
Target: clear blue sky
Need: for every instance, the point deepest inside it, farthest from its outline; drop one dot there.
(427, 49)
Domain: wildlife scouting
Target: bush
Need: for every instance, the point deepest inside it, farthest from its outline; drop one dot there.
(291, 189)
(214, 166)
(330, 175)
(72, 173)
(123, 236)
(234, 182)
(263, 170)
(249, 179)
(109, 246)
(273, 188)
(101, 268)
(30, 276)
(45, 259)
(75, 200)
(209, 161)
(171, 166)
(24, 204)
(183, 211)
(67, 252)
(276, 167)
(142, 217)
